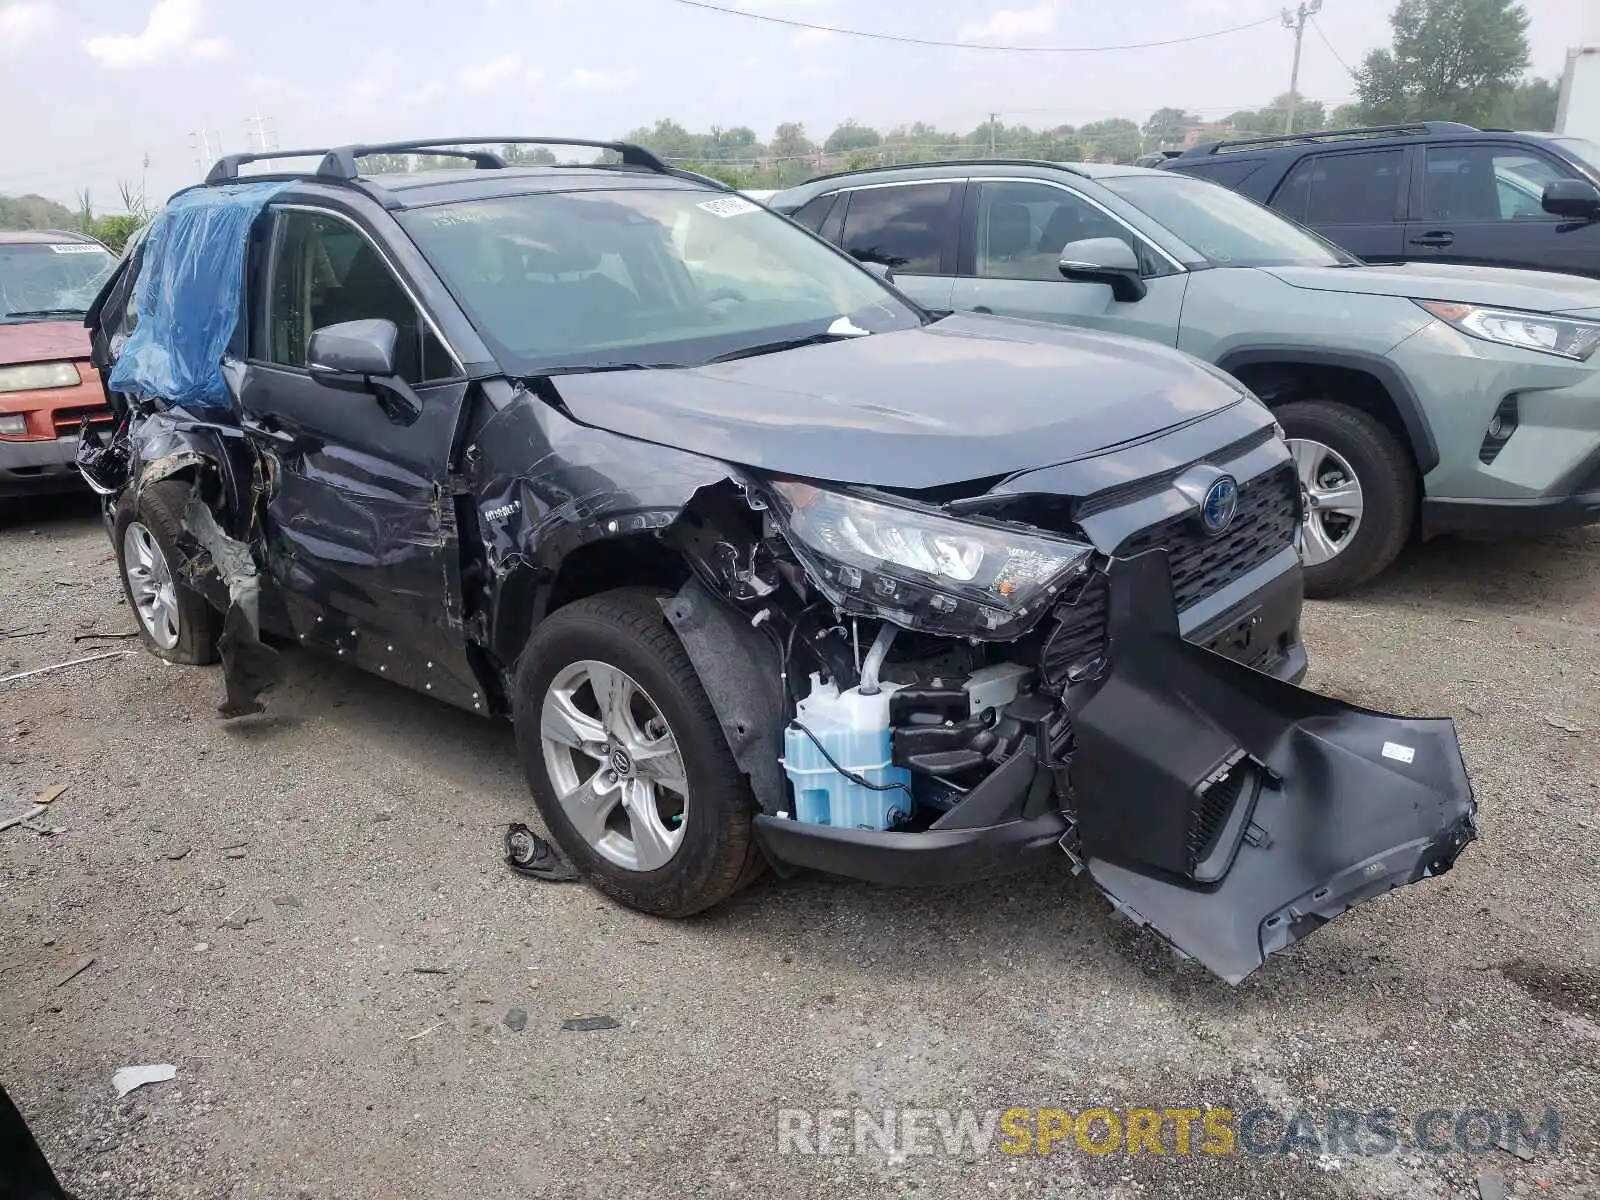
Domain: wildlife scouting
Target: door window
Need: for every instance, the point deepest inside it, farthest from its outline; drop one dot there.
(324, 272)
(903, 227)
(813, 213)
(1343, 189)
(1486, 183)
(1022, 227)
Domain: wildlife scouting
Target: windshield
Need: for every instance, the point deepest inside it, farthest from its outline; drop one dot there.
(44, 280)
(1581, 149)
(1228, 229)
(606, 279)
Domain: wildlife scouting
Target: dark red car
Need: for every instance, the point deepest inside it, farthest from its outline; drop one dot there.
(48, 277)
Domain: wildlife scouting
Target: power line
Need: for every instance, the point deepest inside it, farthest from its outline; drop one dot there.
(916, 41)
(1350, 70)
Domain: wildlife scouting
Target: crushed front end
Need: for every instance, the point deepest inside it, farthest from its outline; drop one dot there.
(929, 690)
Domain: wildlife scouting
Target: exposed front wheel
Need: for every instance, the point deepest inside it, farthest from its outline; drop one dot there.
(626, 760)
(1360, 493)
(175, 621)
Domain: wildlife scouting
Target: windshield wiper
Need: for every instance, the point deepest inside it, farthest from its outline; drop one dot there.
(48, 312)
(841, 330)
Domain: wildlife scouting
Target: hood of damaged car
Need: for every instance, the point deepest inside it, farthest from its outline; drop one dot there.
(967, 397)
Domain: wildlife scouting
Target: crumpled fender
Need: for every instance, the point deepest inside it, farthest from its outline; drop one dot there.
(546, 486)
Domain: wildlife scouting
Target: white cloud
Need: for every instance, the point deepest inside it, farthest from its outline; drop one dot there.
(583, 80)
(490, 74)
(171, 31)
(1011, 23)
(24, 23)
(806, 39)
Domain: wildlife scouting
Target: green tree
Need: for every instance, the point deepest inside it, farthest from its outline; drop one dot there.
(1530, 105)
(1116, 140)
(34, 212)
(1166, 127)
(1452, 60)
(515, 155)
(851, 136)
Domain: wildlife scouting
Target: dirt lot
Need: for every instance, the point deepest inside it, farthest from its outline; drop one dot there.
(259, 896)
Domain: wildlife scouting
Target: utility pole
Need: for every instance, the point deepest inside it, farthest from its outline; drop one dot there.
(1296, 21)
(993, 117)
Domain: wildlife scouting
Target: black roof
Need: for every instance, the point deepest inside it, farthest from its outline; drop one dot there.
(487, 175)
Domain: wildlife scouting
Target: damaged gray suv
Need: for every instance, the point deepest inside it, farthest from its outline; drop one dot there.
(767, 565)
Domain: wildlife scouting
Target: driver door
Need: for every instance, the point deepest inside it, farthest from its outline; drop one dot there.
(1014, 231)
(360, 522)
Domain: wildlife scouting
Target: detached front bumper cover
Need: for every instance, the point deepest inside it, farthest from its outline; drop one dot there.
(1234, 813)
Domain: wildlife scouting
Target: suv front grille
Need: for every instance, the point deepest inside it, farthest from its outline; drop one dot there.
(1264, 525)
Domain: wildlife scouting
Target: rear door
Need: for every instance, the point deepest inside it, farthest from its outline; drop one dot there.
(911, 228)
(1481, 203)
(1013, 232)
(359, 524)
(1355, 198)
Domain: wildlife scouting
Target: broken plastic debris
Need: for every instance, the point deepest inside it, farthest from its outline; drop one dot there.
(529, 854)
(128, 1078)
(589, 1024)
(516, 1019)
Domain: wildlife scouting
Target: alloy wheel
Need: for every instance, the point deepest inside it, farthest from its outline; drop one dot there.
(150, 583)
(1333, 500)
(615, 765)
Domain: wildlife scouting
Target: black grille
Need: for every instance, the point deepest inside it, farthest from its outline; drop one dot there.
(1212, 812)
(1269, 508)
(1079, 637)
(1265, 523)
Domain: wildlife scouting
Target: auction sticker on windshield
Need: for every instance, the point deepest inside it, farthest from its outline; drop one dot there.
(729, 206)
(76, 248)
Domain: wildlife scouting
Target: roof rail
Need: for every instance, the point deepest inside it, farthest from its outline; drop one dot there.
(339, 162)
(948, 162)
(226, 168)
(1311, 137)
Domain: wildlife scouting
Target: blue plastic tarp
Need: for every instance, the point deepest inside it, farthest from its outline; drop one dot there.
(188, 296)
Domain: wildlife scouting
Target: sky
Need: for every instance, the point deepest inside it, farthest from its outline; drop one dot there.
(91, 89)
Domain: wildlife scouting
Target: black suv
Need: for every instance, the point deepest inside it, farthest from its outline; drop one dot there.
(1431, 192)
(765, 563)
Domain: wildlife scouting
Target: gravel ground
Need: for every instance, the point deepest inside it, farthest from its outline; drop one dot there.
(258, 898)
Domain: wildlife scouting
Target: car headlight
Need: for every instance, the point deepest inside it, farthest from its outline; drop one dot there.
(13, 425)
(921, 569)
(1526, 331)
(37, 376)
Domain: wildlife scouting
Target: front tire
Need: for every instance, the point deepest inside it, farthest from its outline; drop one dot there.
(1360, 489)
(176, 622)
(626, 759)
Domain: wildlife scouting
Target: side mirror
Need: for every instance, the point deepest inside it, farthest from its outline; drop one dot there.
(1572, 198)
(881, 270)
(358, 356)
(352, 348)
(1106, 260)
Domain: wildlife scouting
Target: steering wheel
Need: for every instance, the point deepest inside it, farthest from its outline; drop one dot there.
(725, 293)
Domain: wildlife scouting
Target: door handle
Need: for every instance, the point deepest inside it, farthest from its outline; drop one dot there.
(1438, 238)
(983, 308)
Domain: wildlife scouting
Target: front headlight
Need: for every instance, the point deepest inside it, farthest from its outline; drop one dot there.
(924, 570)
(1526, 331)
(37, 376)
(13, 425)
